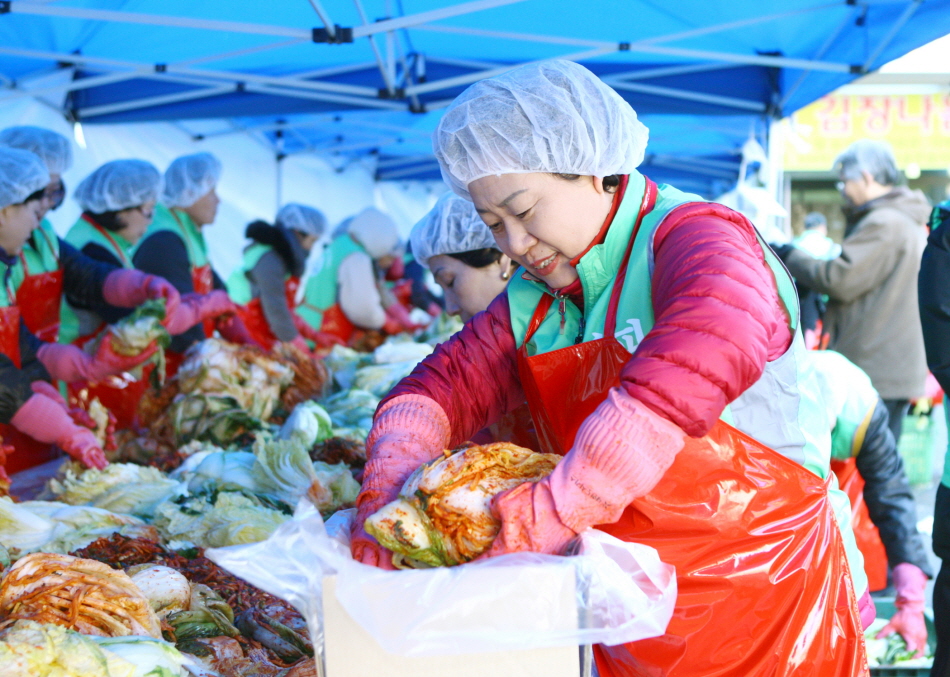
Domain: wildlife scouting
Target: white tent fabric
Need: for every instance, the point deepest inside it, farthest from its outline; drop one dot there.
(248, 186)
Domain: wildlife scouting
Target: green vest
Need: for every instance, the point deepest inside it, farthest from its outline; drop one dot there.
(185, 228)
(40, 253)
(75, 322)
(239, 282)
(801, 415)
(321, 290)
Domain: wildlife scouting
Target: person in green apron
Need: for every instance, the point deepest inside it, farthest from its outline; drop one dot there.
(870, 470)
(933, 295)
(655, 338)
(175, 248)
(348, 293)
(266, 283)
(40, 276)
(118, 201)
(453, 242)
(28, 403)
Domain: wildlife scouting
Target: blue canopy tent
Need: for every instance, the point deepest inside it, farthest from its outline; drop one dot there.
(370, 76)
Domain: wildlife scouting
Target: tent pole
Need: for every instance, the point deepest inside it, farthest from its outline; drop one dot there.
(324, 17)
(383, 71)
(154, 101)
(904, 18)
(425, 17)
(727, 101)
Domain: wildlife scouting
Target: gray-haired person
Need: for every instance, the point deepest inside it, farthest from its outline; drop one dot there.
(872, 316)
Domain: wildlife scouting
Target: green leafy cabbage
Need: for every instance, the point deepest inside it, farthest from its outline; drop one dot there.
(120, 487)
(30, 649)
(309, 422)
(230, 518)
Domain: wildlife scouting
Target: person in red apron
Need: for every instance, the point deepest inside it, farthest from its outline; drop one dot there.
(453, 243)
(655, 339)
(174, 247)
(118, 201)
(348, 294)
(40, 279)
(27, 405)
(266, 283)
(870, 470)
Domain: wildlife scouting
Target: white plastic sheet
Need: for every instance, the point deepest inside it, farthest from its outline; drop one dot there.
(623, 592)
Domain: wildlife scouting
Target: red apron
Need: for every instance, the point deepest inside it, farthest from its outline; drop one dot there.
(28, 452)
(337, 323)
(119, 394)
(39, 298)
(202, 281)
(762, 575)
(865, 533)
(256, 322)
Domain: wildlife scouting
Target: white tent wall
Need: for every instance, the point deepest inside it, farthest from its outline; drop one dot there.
(248, 186)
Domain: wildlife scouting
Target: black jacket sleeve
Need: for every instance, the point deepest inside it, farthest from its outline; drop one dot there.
(83, 278)
(933, 294)
(888, 496)
(15, 383)
(111, 314)
(164, 254)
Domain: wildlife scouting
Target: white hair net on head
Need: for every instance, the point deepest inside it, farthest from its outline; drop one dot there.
(53, 149)
(22, 173)
(871, 156)
(189, 178)
(552, 116)
(451, 227)
(376, 231)
(118, 185)
(307, 220)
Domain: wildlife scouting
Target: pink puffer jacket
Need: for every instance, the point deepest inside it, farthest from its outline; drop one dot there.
(718, 320)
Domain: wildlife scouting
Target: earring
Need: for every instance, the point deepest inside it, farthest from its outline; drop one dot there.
(505, 275)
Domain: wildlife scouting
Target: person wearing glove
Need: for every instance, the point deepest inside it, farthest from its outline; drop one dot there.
(39, 278)
(870, 470)
(47, 420)
(653, 336)
(267, 281)
(174, 246)
(349, 293)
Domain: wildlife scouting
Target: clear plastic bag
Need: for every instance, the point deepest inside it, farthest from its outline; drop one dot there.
(616, 592)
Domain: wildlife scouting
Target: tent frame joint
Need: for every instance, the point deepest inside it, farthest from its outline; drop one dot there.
(161, 67)
(340, 35)
(396, 93)
(4, 6)
(623, 46)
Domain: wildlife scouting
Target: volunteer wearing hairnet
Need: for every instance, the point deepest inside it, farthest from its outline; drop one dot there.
(267, 281)
(453, 242)
(174, 247)
(654, 338)
(27, 401)
(40, 277)
(348, 293)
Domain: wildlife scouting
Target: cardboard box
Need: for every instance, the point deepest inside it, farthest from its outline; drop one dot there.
(352, 652)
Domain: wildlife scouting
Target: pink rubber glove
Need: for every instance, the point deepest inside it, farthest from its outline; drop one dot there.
(46, 420)
(195, 308)
(322, 339)
(69, 363)
(398, 316)
(621, 452)
(233, 329)
(910, 583)
(300, 343)
(407, 431)
(129, 288)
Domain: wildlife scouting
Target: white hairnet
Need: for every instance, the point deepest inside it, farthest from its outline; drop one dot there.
(376, 231)
(53, 149)
(871, 156)
(307, 220)
(21, 174)
(451, 227)
(552, 116)
(189, 178)
(118, 185)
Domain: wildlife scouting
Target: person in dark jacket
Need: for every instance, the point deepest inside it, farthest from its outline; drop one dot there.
(26, 362)
(872, 316)
(268, 278)
(174, 245)
(933, 293)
